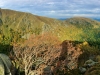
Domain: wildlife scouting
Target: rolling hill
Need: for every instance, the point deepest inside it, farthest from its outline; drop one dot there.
(23, 24)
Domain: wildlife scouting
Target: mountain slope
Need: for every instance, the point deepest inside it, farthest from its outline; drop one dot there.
(27, 23)
(90, 28)
(23, 24)
(17, 19)
(83, 22)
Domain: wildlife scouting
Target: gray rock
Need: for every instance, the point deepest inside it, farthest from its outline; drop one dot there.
(5, 65)
(82, 69)
(90, 63)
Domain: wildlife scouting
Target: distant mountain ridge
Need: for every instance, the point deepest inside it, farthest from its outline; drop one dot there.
(98, 19)
(62, 19)
(76, 28)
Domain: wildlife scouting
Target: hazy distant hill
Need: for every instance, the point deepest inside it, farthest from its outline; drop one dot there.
(98, 19)
(82, 22)
(24, 24)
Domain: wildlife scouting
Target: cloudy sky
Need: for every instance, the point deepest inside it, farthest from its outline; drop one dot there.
(55, 8)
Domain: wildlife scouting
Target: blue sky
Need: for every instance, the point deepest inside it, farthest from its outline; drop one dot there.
(55, 8)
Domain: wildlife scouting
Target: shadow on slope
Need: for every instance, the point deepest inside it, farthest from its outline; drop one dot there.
(5, 48)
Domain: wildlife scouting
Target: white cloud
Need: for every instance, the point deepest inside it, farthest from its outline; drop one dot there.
(2, 3)
(60, 8)
(51, 12)
(51, 3)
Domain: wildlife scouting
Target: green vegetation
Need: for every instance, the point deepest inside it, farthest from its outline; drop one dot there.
(17, 27)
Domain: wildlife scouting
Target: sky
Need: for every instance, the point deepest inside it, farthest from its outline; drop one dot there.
(55, 8)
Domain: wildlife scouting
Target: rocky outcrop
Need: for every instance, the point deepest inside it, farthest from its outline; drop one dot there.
(0, 17)
(90, 67)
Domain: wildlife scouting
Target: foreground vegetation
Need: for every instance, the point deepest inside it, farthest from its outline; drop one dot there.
(48, 52)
